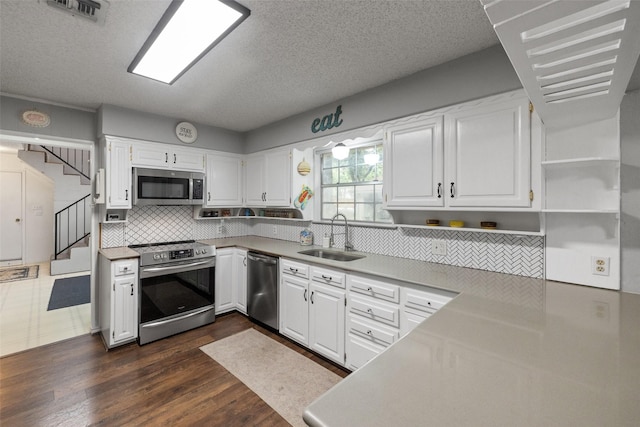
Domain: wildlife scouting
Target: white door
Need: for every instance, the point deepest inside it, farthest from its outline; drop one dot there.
(326, 321)
(488, 155)
(240, 279)
(224, 180)
(125, 310)
(155, 156)
(278, 178)
(119, 175)
(294, 308)
(413, 164)
(254, 181)
(11, 216)
(224, 281)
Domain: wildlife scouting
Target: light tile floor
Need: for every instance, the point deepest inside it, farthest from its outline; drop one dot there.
(24, 320)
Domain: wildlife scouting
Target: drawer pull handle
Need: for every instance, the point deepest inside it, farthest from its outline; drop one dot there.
(326, 277)
(293, 270)
(369, 333)
(311, 298)
(305, 295)
(369, 289)
(369, 310)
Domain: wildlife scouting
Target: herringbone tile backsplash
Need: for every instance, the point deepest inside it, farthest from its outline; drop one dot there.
(502, 253)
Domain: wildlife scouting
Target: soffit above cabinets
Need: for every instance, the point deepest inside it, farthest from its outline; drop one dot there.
(574, 58)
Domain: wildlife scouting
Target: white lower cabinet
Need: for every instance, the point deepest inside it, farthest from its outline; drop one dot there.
(312, 311)
(418, 304)
(373, 318)
(240, 279)
(224, 295)
(231, 280)
(118, 304)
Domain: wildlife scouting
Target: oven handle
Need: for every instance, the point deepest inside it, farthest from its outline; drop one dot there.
(176, 267)
(176, 319)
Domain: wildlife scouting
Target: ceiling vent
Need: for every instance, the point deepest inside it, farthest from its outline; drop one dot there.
(574, 58)
(93, 10)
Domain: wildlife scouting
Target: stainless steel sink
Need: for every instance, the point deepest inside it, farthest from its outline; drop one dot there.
(332, 255)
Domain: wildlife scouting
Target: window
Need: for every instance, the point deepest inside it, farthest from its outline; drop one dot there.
(353, 186)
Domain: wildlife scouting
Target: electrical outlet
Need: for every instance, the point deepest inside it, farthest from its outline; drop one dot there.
(220, 229)
(275, 229)
(439, 247)
(600, 265)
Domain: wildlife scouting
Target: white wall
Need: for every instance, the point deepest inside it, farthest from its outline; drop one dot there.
(630, 190)
(38, 209)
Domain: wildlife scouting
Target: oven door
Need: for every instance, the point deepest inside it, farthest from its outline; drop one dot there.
(175, 297)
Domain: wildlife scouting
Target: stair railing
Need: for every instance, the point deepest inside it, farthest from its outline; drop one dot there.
(76, 159)
(71, 224)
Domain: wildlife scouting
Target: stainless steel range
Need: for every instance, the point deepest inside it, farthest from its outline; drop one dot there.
(177, 282)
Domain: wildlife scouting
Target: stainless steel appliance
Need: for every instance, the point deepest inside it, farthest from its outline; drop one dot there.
(166, 187)
(177, 283)
(262, 288)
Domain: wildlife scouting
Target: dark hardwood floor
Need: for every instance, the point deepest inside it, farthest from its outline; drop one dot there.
(168, 382)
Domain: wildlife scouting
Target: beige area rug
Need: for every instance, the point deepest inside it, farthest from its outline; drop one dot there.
(286, 380)
(12, 274)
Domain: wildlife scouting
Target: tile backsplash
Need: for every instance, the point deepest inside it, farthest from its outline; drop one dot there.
(502, 253)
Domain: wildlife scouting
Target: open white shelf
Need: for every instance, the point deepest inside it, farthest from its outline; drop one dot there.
(586, 211)
(474, 230)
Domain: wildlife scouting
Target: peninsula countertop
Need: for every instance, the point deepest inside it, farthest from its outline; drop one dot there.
(507, 351)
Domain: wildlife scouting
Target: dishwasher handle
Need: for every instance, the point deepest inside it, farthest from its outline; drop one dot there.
(262, 258)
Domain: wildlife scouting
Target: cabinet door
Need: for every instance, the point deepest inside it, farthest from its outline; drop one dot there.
(224, 180)
(294, 308)
(254, 181)
(240, 279)
(187, 160)
(118, 175)
(278, 178)
(413, 161)
(489, 155)
(326, 321)
(151, 155)
(124, 325)
(224, 296)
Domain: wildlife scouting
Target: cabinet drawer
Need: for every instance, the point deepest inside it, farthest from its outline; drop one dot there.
(424, 301)
(122, 268)
(371, 332)
(294, 268)
(360, 351)
(380, 312)
(374, 288)
(328, 277)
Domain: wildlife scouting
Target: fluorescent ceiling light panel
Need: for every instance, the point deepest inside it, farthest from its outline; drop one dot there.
(185, 33)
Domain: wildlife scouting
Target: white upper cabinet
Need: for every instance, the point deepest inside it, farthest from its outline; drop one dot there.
(118, 172)
(165, 156)
(473, 155)
(413, 163)
(224, 180)
(488, 156)
(268, 179)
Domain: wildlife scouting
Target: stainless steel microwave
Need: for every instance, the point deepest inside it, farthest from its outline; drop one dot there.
(167, 187)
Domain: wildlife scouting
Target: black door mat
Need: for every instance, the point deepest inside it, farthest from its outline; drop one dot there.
(69, 292)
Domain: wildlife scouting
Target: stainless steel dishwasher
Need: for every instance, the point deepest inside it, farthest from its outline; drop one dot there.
(262, 288)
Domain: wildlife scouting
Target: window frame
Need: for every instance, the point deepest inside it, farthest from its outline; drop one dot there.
(319, 173)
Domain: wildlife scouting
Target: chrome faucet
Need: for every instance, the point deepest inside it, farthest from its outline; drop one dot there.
(347, 244)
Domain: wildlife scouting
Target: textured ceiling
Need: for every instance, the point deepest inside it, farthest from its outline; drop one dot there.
(289, 56)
